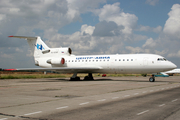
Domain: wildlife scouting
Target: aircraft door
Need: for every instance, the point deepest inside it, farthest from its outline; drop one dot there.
(145, 61)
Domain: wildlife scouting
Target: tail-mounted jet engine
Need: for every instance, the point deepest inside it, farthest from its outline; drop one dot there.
(59, 51)
(66, 50)
(56, 61)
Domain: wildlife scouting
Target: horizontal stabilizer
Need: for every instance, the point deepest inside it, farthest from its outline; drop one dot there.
(24, 37)
(38, 47)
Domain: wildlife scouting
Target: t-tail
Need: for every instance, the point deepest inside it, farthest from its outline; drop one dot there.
(43, 55)
(37, 46)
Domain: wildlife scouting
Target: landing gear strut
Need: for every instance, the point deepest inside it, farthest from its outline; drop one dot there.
(74, 77)
(152, 78)
(89, 77)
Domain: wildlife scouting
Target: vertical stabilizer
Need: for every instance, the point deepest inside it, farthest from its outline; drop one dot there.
(36, 45)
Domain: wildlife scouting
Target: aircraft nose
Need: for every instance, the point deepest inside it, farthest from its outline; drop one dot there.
(172, 65)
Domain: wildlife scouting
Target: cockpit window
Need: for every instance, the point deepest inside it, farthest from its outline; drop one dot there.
(165, 59)
(161, 59)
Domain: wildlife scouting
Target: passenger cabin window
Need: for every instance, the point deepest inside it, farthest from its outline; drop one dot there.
(131, 59)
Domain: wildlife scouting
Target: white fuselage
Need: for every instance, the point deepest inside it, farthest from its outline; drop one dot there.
(119, 63)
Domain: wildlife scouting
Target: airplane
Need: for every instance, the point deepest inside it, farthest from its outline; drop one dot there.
(171, 72)
(62, 60)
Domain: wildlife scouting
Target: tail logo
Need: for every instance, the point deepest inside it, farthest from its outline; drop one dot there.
(39, 47)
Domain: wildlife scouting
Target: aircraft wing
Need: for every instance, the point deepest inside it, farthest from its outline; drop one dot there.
(61, 69)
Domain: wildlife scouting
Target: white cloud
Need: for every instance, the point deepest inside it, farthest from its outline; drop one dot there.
(134, 50)
(163, 52)
(144, 28)
(2, 16)
(158, 29)
(104, 28)
(85, 29)
(172, 25)
(115, 14)
(6, 56)
(84, 5)
(176, 55)
(150, 43)
(152, 2)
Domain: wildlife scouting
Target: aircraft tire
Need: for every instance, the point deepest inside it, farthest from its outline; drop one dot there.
(88, 78)
(75, 79)
(151, 79)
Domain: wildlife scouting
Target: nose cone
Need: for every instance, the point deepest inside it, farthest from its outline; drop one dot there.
(172, 66)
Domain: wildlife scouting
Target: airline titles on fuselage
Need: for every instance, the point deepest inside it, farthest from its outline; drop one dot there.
(80, 58)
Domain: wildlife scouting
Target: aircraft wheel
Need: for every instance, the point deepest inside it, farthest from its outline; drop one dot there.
(152, 79)
(75, 79)
(88, 78)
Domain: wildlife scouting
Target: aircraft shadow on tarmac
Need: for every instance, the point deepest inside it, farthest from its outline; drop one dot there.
(104, 79)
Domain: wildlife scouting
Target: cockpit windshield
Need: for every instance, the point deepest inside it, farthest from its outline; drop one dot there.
(161, 59)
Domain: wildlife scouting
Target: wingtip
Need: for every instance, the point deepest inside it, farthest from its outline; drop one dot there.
(9, 69)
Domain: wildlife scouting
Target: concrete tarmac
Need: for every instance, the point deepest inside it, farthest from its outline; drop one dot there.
(104, 98)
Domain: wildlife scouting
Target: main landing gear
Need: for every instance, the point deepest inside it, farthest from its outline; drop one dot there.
(76, 78)
(89, 77)
(152, 78)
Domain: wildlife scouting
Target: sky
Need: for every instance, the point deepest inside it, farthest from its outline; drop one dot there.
(90, 27)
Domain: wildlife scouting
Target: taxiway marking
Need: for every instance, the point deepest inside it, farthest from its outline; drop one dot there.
(101, 100)
(62, 107)
(162, 105)
(84, 103)
(143, 112)
(3, 118)
(33, 113)
(126, 95)
(115, 97)
(174, 100)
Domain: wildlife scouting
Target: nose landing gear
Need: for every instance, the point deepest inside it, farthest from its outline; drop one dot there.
(152, 78)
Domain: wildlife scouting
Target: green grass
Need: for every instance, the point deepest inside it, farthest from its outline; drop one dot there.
(31, 76)
(122, 75)
(41, 75)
